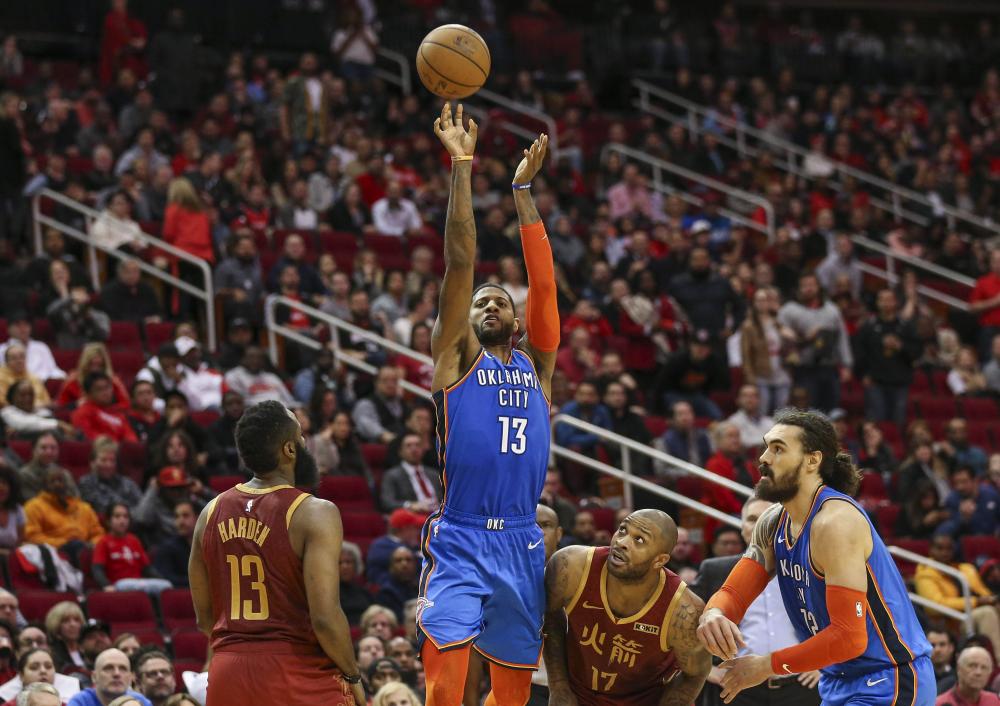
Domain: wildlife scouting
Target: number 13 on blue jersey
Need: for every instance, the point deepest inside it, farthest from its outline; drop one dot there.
(517, 444)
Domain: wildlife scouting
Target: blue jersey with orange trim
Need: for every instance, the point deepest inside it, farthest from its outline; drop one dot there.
(894, 634)
(493, 438)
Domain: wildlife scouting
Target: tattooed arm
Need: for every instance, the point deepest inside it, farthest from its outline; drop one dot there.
(693, 659)
(761, 548)
(453, 345)
(562, 576)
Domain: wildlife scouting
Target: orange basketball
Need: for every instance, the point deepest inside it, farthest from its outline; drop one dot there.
(453, 61)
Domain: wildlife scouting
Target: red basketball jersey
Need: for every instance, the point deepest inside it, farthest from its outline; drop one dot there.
(616, 661)
(258, 590)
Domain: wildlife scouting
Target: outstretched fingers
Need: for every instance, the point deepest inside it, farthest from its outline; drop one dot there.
(458, 116)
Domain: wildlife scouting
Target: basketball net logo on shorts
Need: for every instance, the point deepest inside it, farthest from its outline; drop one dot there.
(422, 604)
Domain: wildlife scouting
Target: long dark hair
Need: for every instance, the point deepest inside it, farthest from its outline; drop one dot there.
(817, 434)
(14, 481)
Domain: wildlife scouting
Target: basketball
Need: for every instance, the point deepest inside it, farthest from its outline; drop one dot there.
(453, 61)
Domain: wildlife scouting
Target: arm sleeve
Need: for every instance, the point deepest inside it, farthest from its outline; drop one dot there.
(542, 309)
(843, 639)
(745, 582)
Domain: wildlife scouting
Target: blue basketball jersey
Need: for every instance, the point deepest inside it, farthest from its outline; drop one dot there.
(894, 634)
(493, 438)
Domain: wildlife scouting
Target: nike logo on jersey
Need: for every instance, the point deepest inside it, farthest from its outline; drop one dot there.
(592, 607)
(534, 544)
(781, 539)
(877, 681)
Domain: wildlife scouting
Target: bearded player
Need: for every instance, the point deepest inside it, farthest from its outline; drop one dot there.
(621, 628)
(484, 559)
(265, 579)
(841, 590)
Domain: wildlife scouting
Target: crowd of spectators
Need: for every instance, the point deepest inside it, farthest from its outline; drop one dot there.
(681, 328)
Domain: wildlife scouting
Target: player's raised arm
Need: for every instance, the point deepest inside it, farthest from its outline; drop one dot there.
(693, 659)
(839, 547)
(320, 525)
(453, 345)
(563, 574)
(541, 316)
(718, 629)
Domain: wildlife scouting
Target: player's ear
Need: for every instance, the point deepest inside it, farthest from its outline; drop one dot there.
(660, 561)
(517, 325)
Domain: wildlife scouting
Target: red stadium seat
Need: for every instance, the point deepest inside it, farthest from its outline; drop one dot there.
(66, 358)
(126, 611)
(940, 408)
(21, 448)
(604, 518)
(917, 546)
(157, 334)
(41, 330)
(35, 604)
(124, 334)
(128, 362)
(145, 636)
(980, 546)
(205, 418)
(887, 515)
(177, 609)
(656, 425)
(132, 458)
(374, 455)
(363, 524)
(190, 645)
(350, 493)
(873, 486)
(978, 408)
(220, 484)
(21, 578)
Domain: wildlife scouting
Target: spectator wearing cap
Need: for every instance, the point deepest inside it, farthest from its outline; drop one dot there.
(58, 518)
(690, 374)
(97, 415)
(239, 335)
(44, 458)
(120, 561)
(256, 384)
(748, 418)
(885, 349)
(104, 485)
(238, 281)
(154, 515)
(411, 485)
(40, 361)
(201, 384)
(163, 371)
(128, 297)
(404, 531)
(383, 671)
(707, 298)
(822, 355)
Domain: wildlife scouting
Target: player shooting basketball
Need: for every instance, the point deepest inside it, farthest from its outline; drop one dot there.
(484, 559)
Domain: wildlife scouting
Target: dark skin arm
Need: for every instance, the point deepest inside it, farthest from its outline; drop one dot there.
(453, 343)
(562, 576)
(693, 659)
(527, 214)
(198, 577)
(316, 534)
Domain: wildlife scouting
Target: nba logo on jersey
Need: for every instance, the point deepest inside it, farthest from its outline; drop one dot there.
(249, 505)
(859, 609)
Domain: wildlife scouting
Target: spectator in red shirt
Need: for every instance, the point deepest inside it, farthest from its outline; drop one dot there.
(985, 301)
(123, 42)
(120, 561)
(975, 665)
(588, 316)
(187, 227)
(577, 360)
(97, 415)
(93, 359)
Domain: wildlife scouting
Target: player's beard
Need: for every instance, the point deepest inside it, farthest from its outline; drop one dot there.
(306, 472)
(498, 336)
(770, 488)
(630, 573)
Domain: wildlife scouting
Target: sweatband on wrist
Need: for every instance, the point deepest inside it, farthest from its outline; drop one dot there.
(520, 187)
(843, 639)
(745, 582)
(541, 316)
(462, 158)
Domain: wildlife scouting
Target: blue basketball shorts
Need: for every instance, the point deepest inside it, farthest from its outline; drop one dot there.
(910, 684)
(483, 581)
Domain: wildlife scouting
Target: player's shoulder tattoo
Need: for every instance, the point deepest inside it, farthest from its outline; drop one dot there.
(764, 532)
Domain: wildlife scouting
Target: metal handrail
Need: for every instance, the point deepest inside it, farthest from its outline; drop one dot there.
(890, 274)
(336, 324)
(403, 79)
(964, 617)
(659, 165)
(206, 294)
(695, 110)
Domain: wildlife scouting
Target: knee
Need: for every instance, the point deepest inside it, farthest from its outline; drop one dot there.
(514, 689)
(445, 692)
